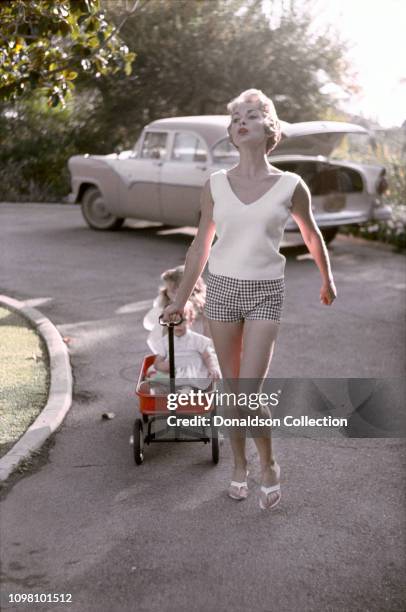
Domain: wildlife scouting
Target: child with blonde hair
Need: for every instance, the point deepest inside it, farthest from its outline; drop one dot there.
(171, 279)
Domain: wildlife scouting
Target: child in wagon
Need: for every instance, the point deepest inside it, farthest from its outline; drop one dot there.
(171, 280)
(196, 362)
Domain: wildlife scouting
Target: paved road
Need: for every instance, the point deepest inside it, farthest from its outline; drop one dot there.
(164, 536)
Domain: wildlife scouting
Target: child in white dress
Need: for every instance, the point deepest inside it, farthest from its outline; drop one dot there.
(196, 363)
(171, 279)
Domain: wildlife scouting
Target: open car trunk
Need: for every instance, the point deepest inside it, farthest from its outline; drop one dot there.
(317, 137)
(338, 192)
(343, 190)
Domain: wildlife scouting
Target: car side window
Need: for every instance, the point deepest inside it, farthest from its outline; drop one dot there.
(188, 148)
(154, 145)
(225, 152)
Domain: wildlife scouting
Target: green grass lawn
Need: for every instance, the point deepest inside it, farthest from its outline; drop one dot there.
(24, 377)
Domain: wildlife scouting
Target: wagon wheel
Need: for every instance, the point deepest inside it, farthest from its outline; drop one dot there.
(138, 442)
(215, 449)
(96, 213)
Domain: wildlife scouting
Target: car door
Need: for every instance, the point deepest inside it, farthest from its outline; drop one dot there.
(140, 178)
(183, 176)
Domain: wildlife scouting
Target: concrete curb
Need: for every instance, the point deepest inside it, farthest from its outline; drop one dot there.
(60, 390)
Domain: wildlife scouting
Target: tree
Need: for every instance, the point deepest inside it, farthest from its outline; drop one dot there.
(193, 56)
(45, 44)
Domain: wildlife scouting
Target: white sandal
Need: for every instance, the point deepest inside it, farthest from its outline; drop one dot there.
(264, 492)
(241, 491)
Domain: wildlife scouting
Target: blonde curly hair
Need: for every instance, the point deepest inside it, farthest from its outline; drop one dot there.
(175, 275)
(189, 312)
(272, 125)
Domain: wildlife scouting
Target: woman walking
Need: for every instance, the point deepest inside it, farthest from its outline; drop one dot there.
(248, 207)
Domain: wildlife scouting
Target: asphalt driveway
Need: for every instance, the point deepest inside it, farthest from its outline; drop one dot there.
(164, 536)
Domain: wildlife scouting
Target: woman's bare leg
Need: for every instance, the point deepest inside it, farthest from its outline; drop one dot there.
(259, 337)
(227, 340)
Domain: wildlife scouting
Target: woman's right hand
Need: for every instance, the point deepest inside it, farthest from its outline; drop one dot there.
(172, 312)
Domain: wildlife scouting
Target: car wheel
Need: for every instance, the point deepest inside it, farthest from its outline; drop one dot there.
(95, 212)
(329, 233)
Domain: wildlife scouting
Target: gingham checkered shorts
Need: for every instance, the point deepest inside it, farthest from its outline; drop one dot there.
(233, 299)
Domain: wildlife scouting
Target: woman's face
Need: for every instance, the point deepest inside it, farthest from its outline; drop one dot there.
(247, 125)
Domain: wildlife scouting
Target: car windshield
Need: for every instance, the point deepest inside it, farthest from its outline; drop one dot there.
(136, 147)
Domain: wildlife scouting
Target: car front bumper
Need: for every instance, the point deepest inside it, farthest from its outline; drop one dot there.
(71, 198)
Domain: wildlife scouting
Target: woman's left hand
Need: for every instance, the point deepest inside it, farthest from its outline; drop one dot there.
(328, 293)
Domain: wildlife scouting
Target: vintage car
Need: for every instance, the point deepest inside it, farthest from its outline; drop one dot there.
(161, 178)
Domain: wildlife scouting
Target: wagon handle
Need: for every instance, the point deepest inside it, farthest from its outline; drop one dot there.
(169, 323)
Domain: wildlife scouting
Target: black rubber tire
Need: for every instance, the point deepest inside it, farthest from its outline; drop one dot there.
(95, 213)
(329, 233)
(138, 446)
(215, 447)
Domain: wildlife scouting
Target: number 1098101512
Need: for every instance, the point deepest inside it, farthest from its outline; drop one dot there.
(40, 597)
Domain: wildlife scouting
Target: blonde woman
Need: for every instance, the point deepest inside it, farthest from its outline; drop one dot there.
(247, 207)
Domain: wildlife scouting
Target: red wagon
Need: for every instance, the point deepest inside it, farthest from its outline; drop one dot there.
(154, 411)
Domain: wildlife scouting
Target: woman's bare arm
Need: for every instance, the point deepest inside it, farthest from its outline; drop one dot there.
(198, 252)
(303, 215)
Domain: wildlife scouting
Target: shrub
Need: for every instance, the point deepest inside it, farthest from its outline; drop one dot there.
(392, 231)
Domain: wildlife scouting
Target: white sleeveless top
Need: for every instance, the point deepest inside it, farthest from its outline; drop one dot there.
(249, 235)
